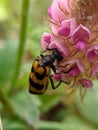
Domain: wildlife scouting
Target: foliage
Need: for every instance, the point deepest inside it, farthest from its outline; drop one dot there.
(55, 110)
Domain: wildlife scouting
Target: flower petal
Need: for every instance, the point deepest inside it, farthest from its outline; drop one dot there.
(81, 33)
(74, 70)
(49, 12)
(57, 76)
(64, 31)
(60, 9)
(95, 70)
(80, 45)
(92, 53)
(85, 83)
(45, 40)
(67, 27)
(79, 64)
(61, 47)
(77, 67)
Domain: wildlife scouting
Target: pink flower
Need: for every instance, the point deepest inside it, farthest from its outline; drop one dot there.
(76, 67)
(57, 76)
(95, 70)
(67, 73)
(64, 31)
(61, 47)
(60, 9)
(67, 27)
(58, 12)
(92, 53)
(49, 12)
(80, 37)
(45, 40)
(85, 83)
(74, 35)
(62, 74)
(80, 45)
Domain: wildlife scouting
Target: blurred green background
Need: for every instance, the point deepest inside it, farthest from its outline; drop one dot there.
(22, 23)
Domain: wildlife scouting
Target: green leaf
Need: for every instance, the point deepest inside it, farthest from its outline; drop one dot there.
(75, 124)
(48, 101)
(9, 124)
(26, 107)
(90, 107)
(7, 60)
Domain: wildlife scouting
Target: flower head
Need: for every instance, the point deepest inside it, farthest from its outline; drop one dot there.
(74, 36)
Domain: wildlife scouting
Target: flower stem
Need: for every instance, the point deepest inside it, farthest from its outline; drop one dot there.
(22, 39)
(6, 102)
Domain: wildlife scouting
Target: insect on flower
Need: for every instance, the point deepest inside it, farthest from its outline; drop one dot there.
(40, 72)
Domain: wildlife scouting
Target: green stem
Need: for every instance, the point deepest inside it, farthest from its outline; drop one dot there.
(22, 39)
(6, 102)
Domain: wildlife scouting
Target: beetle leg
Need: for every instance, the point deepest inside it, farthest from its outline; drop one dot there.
(53, 68)
(58, 84)
(52, 83)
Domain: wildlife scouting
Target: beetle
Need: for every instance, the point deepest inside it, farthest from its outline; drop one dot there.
(40, 72)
